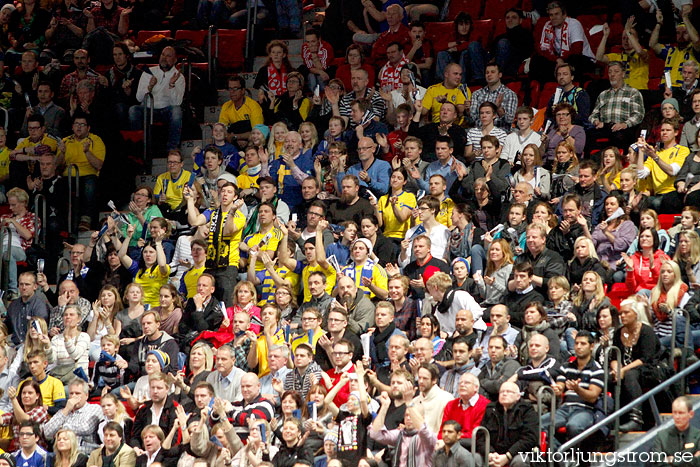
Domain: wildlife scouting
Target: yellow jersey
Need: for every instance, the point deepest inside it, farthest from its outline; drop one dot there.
(661, 182)
(52, 390)
(173, 187)
(675, 58)
(249, 110)
(330, 274)
(76, 155)
(636, 68)
(456, 96)
(277, 339)
(392, 227)
(271, 241)
(228, 253)
(151, 280)
(370, 270)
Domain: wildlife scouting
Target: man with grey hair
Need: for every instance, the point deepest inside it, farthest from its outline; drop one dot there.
(684, 93)
(467, 409)
(226, 380)
(277, 358)
(373, 173)
(290, 170)
(360, 80)
(78, 416)
(617, 113)
(681, 439)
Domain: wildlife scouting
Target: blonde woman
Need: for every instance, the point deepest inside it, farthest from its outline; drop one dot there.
(252, 454)
(628, 189)
(20, 222)
(688, 256)
(37, 338)
(564, 171)
(274, 146)
(65, 450)
(610, 170)
(309, 136)
(200, 365)
(560, 308)
(493, 286)
(589, 298)
(669, 294)
(105, 309)
(532, 172)
(585, 259)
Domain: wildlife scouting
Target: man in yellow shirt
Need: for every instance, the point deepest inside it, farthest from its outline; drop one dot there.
(169, 186)
(438, 188)
(87, 152)
(688, 41)
(633, 56)
(268, 238)
(447, 91)
(241, 113)
(29, 150)
(661, 167)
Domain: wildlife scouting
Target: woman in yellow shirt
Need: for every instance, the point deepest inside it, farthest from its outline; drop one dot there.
(611, 168)
(394, 209)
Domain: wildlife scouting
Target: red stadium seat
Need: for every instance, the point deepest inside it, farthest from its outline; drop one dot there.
(483, 30)
(473, 7)
(666, 220)
(517, 88)
(143, 36)
(656, 66)
(546, 94)
(196, 38)
(497, 8)
(231, 49)
(439, 33)
(534, 92)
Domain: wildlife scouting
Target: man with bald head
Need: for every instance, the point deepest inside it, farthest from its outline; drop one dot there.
(513, 425)
(500, 326)
(373, 173)
(291, 169)
(358, 306)
(540, 368)
(423, 353)
(68, 294)
(464, 327)
(167, 86)
(253, 406)
(467, 409)
(523, 193)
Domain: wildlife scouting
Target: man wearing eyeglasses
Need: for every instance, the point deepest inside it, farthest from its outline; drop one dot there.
(24, 158)
(342, 358)
(373, 173)
(240, 113)
(337, 331)
(30, 453)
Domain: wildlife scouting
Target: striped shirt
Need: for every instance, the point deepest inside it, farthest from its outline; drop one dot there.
(302, 383)
(592, 374)
(378, 107)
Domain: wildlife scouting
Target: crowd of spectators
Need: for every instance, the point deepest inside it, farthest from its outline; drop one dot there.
(370, 258)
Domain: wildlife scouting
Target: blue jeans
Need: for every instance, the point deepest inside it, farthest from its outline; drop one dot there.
(88, 192)
(680, 334)
(472, 61)
(289, 15)
(575, 419)
(16, 254)
(171, 116)
(478, 255)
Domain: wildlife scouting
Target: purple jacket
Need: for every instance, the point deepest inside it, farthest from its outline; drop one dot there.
(424, 451)
(611, 252)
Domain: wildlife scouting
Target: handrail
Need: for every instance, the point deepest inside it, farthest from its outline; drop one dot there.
(552, 410)
(61, 260)
(674, 320)
(41, 238)
(618, 387)
(5, 233)
(7, 117)
(210, 55)
(487, 445)
(648, 395)
(148, 111)
(70, 169)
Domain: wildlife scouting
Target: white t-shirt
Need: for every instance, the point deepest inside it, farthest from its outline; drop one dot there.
(515, 144)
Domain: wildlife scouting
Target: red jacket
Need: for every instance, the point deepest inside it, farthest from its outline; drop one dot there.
(387, 37)
(641, 277)
(342, 397)
(469, 418)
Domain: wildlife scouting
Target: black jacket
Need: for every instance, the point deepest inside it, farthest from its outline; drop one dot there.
(498, 184)
(512, 431)
(193, 322)
(548, 264)
(563, 243)
(517, 303)
(576, 270)
(287, 457)
(143, 418)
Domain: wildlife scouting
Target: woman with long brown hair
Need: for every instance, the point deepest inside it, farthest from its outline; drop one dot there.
(564, 171)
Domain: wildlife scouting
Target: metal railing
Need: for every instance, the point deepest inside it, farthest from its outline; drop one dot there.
(487, 444)
(71, 181)
(148, 111)
(60, 262)
(618, 387)
(649, 395)
(686, 340)
(210, 55)
(5, 237)
(552, 411)
(40, 229)
(6, 113)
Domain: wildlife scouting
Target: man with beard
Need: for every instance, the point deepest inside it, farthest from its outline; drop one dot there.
(464, 328)
(467, 409)
(167, 85)
(431, 396)
(463, 364)
(320, 299)
(355, 303)
(337, 331)
(160, 410)
(360, 80)
(350, 207)
(69, 83)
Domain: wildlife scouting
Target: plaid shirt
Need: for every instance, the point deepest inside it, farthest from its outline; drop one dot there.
(378, 107)
(405, 318)
(624, 105)
(509, 104)
(83, 422)
(240, 355)
(38, 415)
(70, 82)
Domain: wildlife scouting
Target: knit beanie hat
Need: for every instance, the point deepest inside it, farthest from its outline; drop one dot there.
(673, 102)
(163, 358)
(9, 458)
(264, 129)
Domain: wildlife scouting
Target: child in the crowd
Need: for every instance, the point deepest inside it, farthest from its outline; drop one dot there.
(109, 369)
(690, 217)
(156, 361)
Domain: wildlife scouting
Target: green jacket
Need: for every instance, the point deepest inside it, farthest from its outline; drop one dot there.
(682, 446)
